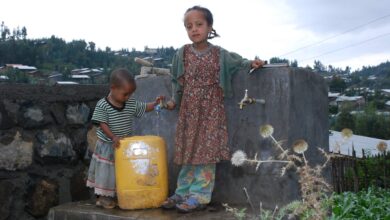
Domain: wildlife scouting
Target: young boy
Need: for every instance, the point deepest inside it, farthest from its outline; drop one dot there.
(114, 116)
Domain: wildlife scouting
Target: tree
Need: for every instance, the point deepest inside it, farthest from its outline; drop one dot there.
(294, 63)
(5, 32)
(337, 84)
(347, 70)
(24, 33)
(345, 120)
(18, 33)
(278, 60)
(91, 46)
(371, 124)
(318, 66)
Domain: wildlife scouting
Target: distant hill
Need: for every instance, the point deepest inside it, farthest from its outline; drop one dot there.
(381, 70)
(55, 54)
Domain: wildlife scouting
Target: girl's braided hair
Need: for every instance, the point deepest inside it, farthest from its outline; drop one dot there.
(209, 18)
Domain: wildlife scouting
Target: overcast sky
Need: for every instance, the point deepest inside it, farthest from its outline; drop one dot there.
(249, 27)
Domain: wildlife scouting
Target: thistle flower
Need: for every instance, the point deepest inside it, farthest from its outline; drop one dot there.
(300, 146)
(238, 158)
(382, 146)
(346, 133)
(283, 171)
(266, 130)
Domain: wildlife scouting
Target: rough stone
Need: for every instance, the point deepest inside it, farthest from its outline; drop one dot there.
(11, 109)
(295, 105)
(58, 112)
(52, 143)
(78, 189)
(79, 140)
(33, 116)
(6, 121)
(49, 94)
(16, 155)
(77, 114)
(7, 136)
(43, 197)
(6, 198)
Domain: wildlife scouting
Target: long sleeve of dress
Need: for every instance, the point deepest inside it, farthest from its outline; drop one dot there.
(230, 64)
(177, 71)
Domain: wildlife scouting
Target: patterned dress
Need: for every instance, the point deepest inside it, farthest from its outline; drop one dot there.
(201, 135)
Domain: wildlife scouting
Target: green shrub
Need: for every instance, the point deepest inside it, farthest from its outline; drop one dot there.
(373, 203)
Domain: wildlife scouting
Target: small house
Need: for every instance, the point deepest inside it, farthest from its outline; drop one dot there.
(4, 79)
(82, 79)
(21, 67)
(386, 92)
(350, 101)
(387, 105)
(332, 98)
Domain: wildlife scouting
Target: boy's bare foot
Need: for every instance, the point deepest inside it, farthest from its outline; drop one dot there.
(106, 202)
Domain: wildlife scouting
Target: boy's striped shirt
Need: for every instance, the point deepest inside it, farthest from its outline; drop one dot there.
(120, 121)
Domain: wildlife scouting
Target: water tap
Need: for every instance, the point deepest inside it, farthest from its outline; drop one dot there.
(159, 107)
(246, 100)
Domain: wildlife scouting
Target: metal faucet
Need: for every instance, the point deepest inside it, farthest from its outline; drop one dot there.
(159, 107)
(246, 100)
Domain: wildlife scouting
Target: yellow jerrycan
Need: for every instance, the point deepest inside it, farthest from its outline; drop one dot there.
(141, 172)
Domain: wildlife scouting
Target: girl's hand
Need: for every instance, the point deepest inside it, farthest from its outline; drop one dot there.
(116, 141)
(171, 105)
(257, 64)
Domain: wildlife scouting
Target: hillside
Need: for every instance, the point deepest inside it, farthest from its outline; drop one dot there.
(55, 54)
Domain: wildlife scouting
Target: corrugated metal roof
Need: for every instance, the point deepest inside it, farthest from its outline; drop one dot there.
(348, 98)
(337, 142)
(80, 77)
(66, 83)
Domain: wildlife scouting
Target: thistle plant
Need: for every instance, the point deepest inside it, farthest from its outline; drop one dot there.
(382, 147)
(239, 158)
(312, 185)
(346, 134)
(267, 131)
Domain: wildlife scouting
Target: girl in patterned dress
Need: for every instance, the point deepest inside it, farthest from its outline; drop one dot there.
(202, 76)
(114, 114)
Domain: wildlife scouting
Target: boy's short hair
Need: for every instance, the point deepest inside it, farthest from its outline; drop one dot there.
(121, 75)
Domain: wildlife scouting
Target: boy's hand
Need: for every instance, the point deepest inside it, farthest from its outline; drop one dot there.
(171, 105)
(257, 63)
(116, 141)
(151, 105)
(159, 99)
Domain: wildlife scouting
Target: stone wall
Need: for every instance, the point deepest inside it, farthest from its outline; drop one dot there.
(43, 142)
